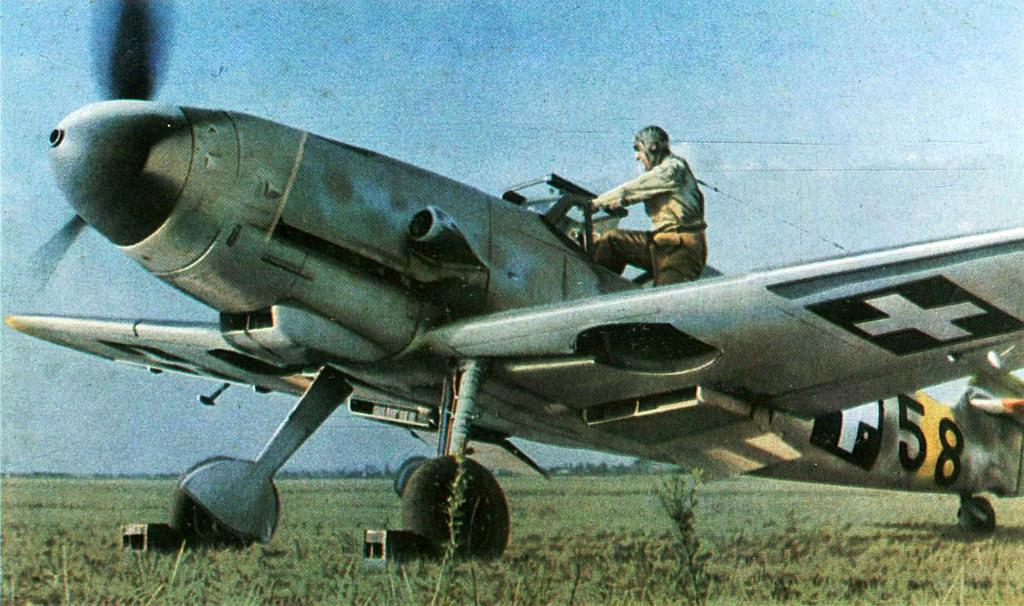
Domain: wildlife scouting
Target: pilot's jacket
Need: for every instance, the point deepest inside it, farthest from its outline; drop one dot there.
(676, 249)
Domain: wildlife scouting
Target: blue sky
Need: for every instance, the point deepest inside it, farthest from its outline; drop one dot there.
(829, 127)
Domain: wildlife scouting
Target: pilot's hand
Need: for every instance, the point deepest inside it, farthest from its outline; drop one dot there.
(610, 207)
(615, 208)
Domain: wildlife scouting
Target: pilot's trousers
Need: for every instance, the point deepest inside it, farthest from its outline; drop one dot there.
(669, 255)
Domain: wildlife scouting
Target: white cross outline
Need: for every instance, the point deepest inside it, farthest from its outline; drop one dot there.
(852, 420)
(904, 314)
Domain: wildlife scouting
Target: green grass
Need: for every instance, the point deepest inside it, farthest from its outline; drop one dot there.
(597, 540)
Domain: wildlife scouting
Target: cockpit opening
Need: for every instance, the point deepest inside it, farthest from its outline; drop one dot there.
(565, 208)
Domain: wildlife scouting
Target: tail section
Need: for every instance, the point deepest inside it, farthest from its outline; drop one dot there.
(905, 443)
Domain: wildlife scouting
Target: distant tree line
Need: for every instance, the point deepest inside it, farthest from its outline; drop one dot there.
(638, 466)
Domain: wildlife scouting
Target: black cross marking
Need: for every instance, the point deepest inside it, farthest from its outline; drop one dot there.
(918, 316)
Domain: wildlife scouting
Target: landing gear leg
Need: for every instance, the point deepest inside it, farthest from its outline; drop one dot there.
(976, 514)
(453, 500)
(225, 500)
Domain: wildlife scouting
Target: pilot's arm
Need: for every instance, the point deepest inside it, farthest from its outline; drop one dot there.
(659, 180)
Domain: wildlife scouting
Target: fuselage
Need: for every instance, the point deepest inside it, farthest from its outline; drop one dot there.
(316, 253)
(254, 217)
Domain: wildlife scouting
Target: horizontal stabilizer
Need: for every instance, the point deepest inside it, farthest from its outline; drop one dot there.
(999, 406)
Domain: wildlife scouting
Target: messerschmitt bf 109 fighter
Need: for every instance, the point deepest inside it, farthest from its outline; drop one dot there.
(348, 278)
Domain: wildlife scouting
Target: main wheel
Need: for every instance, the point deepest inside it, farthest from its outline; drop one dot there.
(405, 471)
(480, 520)
(195, 524)
(198, 527)
(976, 515)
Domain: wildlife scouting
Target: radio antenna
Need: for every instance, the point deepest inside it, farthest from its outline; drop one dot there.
(775, 216)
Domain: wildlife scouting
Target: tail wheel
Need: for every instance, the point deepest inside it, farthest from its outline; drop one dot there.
(481, 521)
(976, 515)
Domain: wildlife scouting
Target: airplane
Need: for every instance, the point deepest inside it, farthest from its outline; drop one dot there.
(345, 277)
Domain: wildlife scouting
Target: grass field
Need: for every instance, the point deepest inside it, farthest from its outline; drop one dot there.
(575, 540)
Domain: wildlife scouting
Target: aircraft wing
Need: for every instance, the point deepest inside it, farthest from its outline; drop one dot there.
(653, 372)
(186, 347)
(806, 339)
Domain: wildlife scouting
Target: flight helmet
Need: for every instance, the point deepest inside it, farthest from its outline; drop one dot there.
(652, 141)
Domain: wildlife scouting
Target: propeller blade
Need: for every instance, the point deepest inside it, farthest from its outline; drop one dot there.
(131, 68)
(45, 259)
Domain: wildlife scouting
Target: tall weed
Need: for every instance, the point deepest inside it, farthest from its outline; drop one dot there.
(678, 497)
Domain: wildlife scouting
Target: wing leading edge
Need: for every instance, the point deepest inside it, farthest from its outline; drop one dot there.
(191, 348)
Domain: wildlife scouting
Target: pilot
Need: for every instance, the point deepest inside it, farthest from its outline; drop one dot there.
(675, 250)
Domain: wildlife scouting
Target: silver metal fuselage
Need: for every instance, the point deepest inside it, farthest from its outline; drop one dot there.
(245, 215)
(315, 252)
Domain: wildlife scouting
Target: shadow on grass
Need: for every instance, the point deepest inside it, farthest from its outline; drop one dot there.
(952, 532)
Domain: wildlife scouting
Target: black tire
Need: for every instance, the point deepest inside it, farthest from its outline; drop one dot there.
(976, 515)
(199, 528)
(405, 471)
(482, 521)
